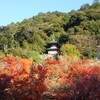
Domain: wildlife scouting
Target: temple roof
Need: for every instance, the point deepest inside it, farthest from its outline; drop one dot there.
(53, 47)
(53, 41)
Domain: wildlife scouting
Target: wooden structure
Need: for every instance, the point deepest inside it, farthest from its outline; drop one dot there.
(53, 48)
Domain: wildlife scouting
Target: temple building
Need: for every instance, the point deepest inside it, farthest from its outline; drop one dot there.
(53, 48)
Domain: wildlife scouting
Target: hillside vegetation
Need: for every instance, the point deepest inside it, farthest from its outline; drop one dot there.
(80, 28)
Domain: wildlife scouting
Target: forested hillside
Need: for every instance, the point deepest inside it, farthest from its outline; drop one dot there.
(80, 28)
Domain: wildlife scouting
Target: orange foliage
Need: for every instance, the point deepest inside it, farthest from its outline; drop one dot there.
(67, 77)
(15, 66)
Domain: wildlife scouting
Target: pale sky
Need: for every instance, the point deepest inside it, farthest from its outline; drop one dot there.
(18, 10)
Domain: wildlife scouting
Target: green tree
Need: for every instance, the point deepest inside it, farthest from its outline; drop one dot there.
(85, 7)
(69, 49)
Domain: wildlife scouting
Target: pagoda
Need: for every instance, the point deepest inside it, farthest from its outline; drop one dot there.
(53, 48)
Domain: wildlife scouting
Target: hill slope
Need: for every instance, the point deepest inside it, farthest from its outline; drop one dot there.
(81, 28)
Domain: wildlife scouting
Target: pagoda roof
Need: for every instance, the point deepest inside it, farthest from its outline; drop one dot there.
(53, 48)
(53, 41)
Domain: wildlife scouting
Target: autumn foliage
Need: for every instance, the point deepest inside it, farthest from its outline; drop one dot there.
(64, 79)
(20, 80)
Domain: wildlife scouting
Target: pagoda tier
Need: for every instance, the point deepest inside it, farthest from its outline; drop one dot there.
(52, 43)
(53, 47)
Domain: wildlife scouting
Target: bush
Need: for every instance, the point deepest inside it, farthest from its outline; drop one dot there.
(69, 49)
(1, 54)
(16, 51)
(32, 54)
(88, 53)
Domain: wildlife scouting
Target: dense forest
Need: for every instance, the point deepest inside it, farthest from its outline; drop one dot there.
(80, 28)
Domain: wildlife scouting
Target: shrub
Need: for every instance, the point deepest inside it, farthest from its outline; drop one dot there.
(32, 54)
(69, 49)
